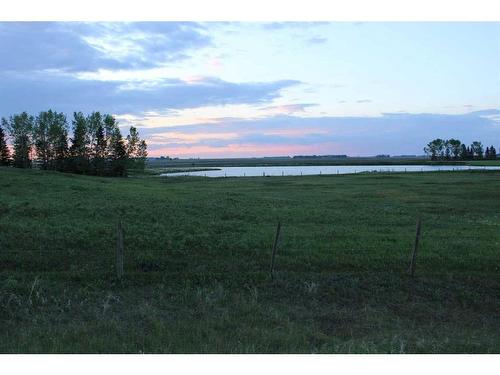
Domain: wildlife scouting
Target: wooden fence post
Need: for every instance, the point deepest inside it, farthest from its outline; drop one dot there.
(413, 260)
(119, 250)
(275, 248)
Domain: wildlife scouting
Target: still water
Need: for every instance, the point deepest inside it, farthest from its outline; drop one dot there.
(323, 169)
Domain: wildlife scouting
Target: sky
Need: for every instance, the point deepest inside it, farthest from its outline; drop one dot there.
(263, 89)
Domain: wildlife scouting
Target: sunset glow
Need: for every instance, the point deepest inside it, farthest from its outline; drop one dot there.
(263, 89)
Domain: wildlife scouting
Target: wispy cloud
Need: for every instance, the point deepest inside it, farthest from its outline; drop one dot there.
(287, 109)
(77, 46)
(38, 92)
(316, 40)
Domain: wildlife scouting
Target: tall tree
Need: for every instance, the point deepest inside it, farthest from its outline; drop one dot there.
(49, 129)
(99, 160)
(493, 153)
(61, 151)
(118, 154)
(94, 122)
(110, 126)
(58, 135)
(97, 145)
(455, 148)
(4, 149)
(477, 149)
(447, 150)
(464, 154)
(20, 128)
(142, 154)
(41, 138)
(435, 149)
(133, 141)
(79, 148)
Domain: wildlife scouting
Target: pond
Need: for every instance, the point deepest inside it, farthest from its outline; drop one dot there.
(322, 169)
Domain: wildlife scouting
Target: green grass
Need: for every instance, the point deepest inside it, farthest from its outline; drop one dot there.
(490, 163)
(197, 263)
(283, 161)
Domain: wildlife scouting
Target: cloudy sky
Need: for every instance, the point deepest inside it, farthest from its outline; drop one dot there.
(263, 89)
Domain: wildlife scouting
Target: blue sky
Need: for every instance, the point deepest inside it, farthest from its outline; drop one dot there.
(262, 89)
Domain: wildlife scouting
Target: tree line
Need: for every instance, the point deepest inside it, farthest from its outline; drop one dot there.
(96, 148)
(454, 149)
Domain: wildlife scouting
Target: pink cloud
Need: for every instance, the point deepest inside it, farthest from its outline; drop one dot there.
(286, 109)
(251, 150)
(215, 64)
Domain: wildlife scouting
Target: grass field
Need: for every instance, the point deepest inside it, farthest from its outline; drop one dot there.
(197, 258)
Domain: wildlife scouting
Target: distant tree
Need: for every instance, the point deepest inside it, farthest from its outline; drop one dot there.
(455, 147)
(487, 153)
(97, 145)
(477, 149)
(435, 149)
(493, 153)
(4, 149)
(136, 149)
(142, 154)
(464, 154)
(470, 153)
(20, 128)
(447, 150)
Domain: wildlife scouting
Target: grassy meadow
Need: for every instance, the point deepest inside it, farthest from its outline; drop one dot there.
(197, 259)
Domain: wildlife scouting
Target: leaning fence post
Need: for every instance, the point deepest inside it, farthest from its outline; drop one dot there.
(275, 248)
(413, 260)
(119, 250)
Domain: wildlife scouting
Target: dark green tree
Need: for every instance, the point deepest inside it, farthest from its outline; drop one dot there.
(447, 150)
(97, 145)
(493, 153)
(61, 152)
(101, 146)
(477, 149)
(142, 154)
(58, 136)
(110, 126)
(4, 149)
(119, 158)
(94, 122)
(470, 153)
(20, 128)
(435, 149)
(455, 147)
(79, 149)
(41, 138)
(464, 154)
(133, 142)
(49, 127)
